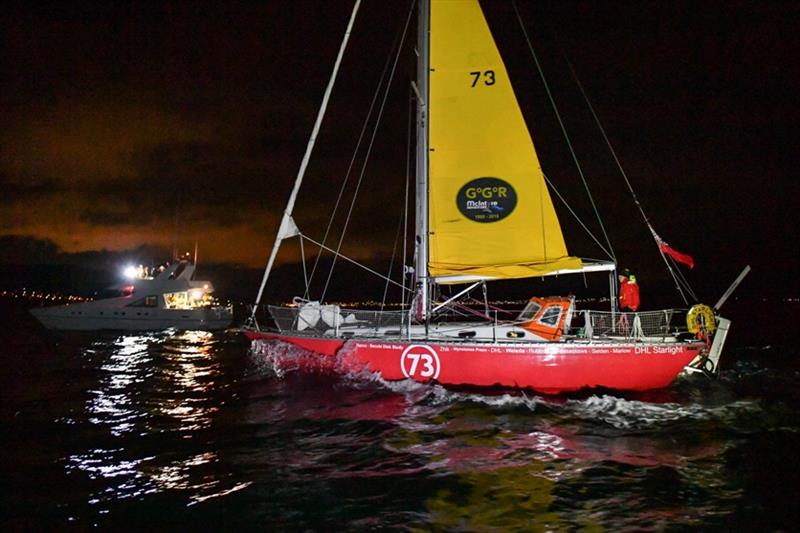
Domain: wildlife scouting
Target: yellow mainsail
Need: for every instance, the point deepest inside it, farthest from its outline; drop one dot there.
(491, 215)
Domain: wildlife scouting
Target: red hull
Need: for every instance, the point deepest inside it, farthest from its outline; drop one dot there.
(544, 367)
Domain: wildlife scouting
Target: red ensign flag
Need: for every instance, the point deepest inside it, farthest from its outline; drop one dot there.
(686, 259)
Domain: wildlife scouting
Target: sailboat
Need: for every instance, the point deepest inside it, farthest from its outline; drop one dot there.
(484, 213)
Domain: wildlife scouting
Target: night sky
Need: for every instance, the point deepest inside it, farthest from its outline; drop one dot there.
(160, 123)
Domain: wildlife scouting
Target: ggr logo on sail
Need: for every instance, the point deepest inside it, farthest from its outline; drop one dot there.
(486, 192)
(486, 199)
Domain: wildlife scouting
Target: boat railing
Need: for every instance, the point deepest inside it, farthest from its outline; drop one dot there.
(662, 324)
(586, 325)
(333, 318)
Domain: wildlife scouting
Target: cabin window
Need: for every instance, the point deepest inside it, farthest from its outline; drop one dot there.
(530, 311)
(177, 300)
(551, 316)
(114, 293)
(147, 301)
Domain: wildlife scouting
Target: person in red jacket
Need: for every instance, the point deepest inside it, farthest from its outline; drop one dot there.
(628, 291)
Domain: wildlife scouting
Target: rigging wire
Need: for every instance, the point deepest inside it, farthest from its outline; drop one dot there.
(402, 223)
(681, 278)
(352, 261)
(680, 281)
(350, 167)
(564, 130)
(287, 225)
(369, 150)
(409, 152)
(575, 215)
(391, 261)
(303, 260)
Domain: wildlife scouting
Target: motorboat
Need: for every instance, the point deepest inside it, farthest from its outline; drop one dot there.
(165, 297)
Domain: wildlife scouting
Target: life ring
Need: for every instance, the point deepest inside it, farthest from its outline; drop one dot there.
(701, 315)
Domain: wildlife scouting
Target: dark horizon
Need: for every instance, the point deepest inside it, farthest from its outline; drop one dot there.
(87, 273)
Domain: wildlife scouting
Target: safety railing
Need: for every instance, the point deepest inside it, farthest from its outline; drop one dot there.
(315, 319)
(629, 326)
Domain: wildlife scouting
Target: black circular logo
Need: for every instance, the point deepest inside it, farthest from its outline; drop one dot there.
(486, 199)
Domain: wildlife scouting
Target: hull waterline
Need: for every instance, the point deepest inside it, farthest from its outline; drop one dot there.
(545, 367)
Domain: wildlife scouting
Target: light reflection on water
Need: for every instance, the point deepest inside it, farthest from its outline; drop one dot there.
(189, 426)
(161, 383)
(128, 362)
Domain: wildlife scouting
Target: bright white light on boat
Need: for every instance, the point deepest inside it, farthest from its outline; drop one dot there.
(130, 272)
(196, 294)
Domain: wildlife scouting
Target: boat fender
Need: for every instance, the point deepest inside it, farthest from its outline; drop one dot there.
(701, 316)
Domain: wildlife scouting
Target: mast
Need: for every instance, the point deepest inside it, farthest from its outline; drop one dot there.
(423, 72)
(288, 228)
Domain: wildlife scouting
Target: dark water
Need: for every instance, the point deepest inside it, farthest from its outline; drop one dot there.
(189, 430)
